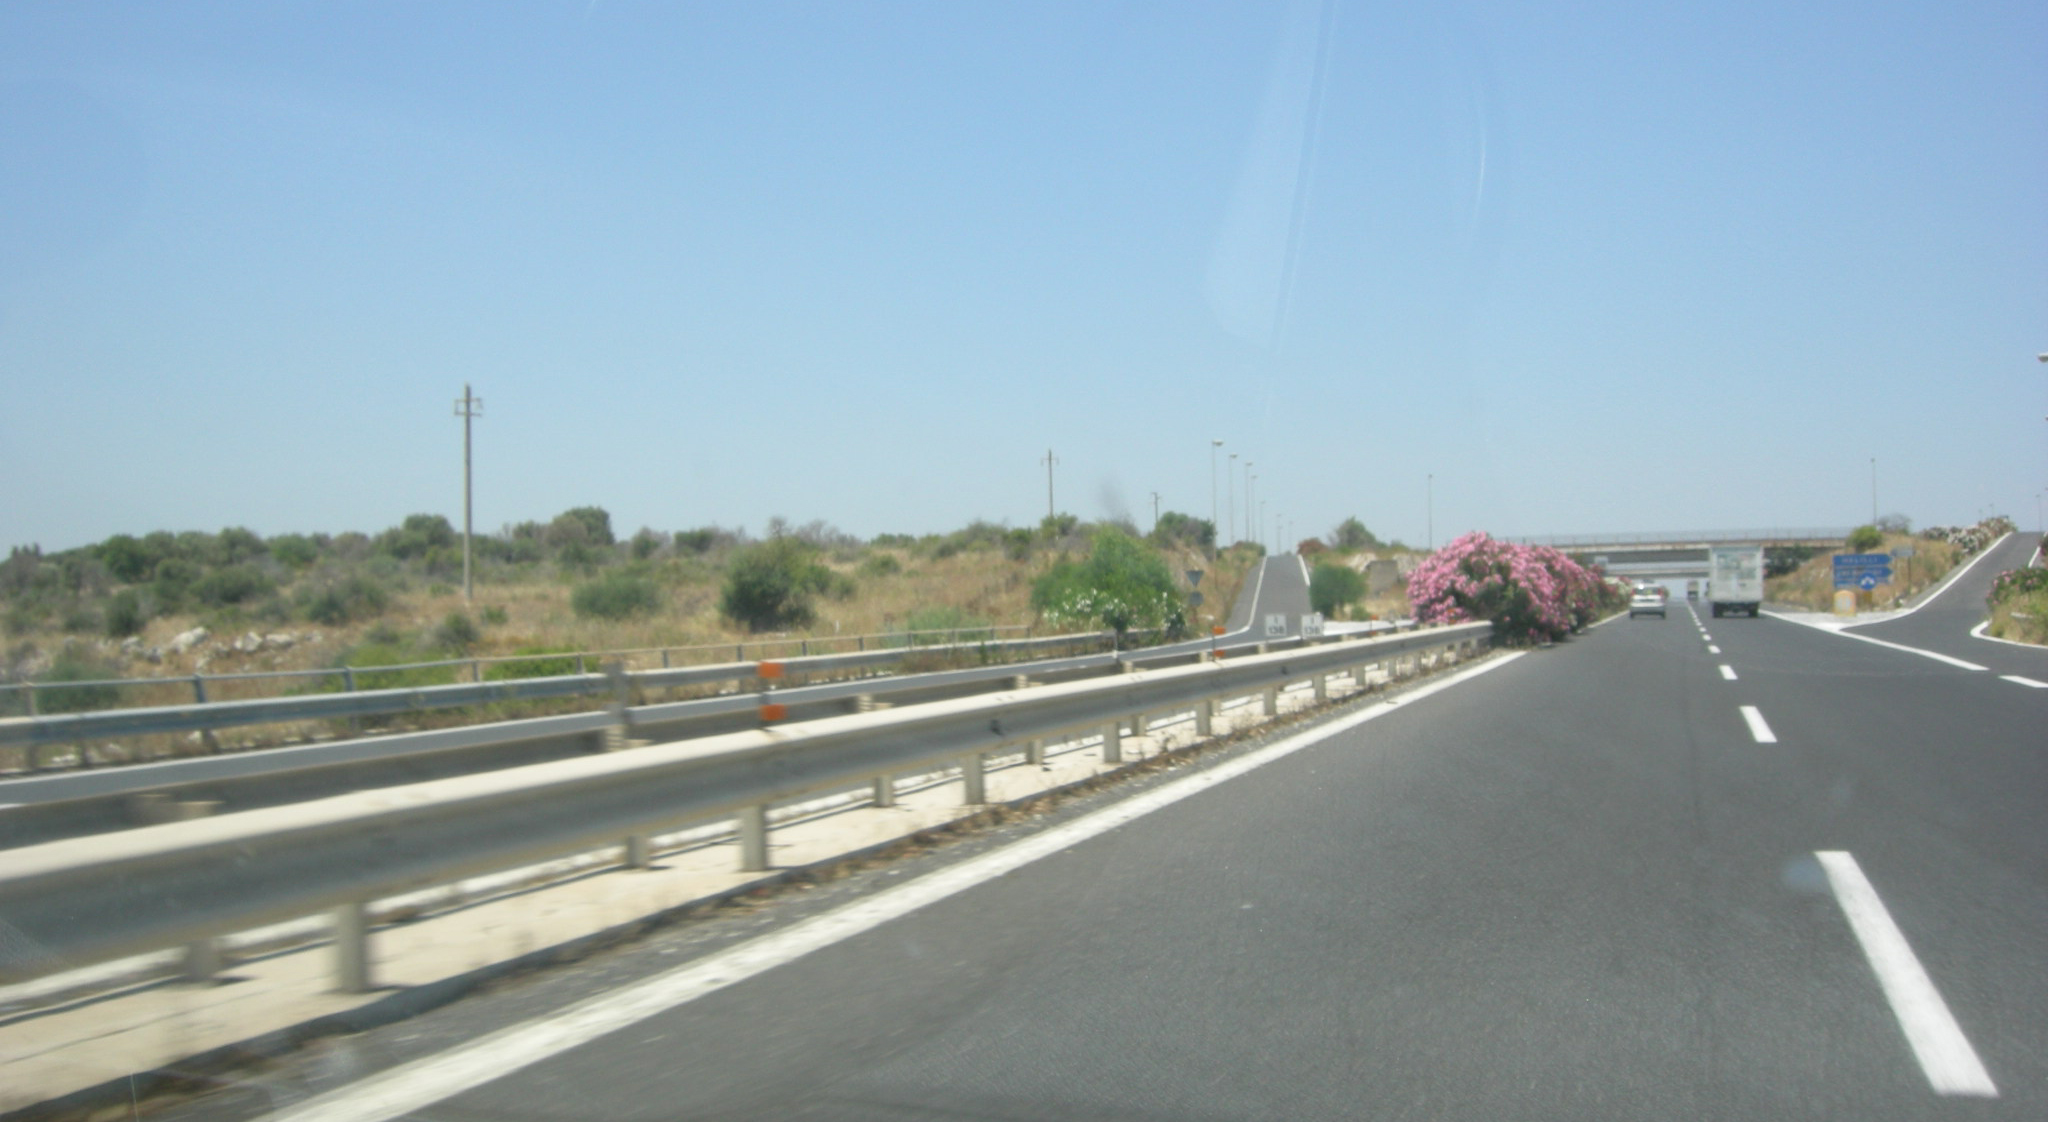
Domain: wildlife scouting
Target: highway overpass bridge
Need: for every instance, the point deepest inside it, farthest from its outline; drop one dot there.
(1677, 556)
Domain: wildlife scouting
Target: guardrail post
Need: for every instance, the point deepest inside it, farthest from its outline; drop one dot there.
(885, 790)
(1205, 717)
(202, 960)
(352, 947)
(579, 665)
(1034, 752)
(620, 730)
(639, 852)
(753, 831)
(1270, 701)
(1322, 687)
(205, 735)
(973, 779)
(348, 679)
(1113, 743)
(31, 692)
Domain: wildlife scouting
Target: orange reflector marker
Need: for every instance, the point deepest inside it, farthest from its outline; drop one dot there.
(773, 712)
(770, 670)
(1216, 630)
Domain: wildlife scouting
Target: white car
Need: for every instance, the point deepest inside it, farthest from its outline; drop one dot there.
(1648, 600)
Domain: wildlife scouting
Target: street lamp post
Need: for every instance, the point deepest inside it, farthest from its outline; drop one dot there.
(1430, 501)
(1213, 445)
(1873, 490)
(1248, 529)
(1230, 485)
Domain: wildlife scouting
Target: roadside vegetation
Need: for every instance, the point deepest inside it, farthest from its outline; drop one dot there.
(1803, 577)
(2019, 606)
(1531, 594)
(168, 605)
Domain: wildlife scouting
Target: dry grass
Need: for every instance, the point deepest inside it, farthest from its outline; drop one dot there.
(1812, 585)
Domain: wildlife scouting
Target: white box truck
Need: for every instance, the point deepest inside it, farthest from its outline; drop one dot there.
(1735, 579)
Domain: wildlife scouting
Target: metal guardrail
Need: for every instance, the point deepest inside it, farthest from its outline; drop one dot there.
(34, 732)
(84, 801)
(89, 900)
(888, 640)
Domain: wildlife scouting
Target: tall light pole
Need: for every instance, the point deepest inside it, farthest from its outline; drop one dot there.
(1873, 490)
(1430, 500)
(1249, 529)
(1230, 508)
(1213, 445)
(1049, 461)
(469, 407)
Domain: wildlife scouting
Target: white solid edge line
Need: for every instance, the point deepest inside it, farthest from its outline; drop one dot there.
(1727, 672)
(1935, 655)
(423, 1082)
(1757, 728)
(1945, 1055)
(1977, 632)
(2025, 681)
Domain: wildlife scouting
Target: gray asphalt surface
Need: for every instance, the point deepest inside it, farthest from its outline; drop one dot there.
(1574, 887)
(1944, 623)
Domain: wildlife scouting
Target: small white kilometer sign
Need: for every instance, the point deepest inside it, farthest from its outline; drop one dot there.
(1312, 625)
(1276, 625)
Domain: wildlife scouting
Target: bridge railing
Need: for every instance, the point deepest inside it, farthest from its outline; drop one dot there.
(1774, 536)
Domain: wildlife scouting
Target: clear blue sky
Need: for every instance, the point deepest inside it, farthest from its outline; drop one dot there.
(1600, 266)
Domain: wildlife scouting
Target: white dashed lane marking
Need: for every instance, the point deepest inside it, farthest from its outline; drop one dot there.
(2025, 681)
(1757, 728)
(1727, 672)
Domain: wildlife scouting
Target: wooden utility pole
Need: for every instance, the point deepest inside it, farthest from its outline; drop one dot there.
(469, 407)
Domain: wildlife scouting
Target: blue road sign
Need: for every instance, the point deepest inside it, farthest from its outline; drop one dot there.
(1863, 570)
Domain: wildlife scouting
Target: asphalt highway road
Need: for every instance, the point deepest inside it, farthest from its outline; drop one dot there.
(1944, 623)
(1681, 868)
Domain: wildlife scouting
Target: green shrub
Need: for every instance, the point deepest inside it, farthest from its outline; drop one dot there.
(948, 618)
(80, 618)
(124, 615)
(129, 559)
(382, 651)
(1175, 528)
(231, 584)
(770, 585)
(551, 662)
(616, 596)
(417, 536)
(171, 583)
(294, 551)
(1352, 536)
(74, 664)
(1865, 539)
(1122, 585)
(352, 598)
(1333, 587)
(880, 565)
(457, 633)
(494, 615)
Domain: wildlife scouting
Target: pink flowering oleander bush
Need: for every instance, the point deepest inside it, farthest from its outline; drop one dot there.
(1530, 594)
